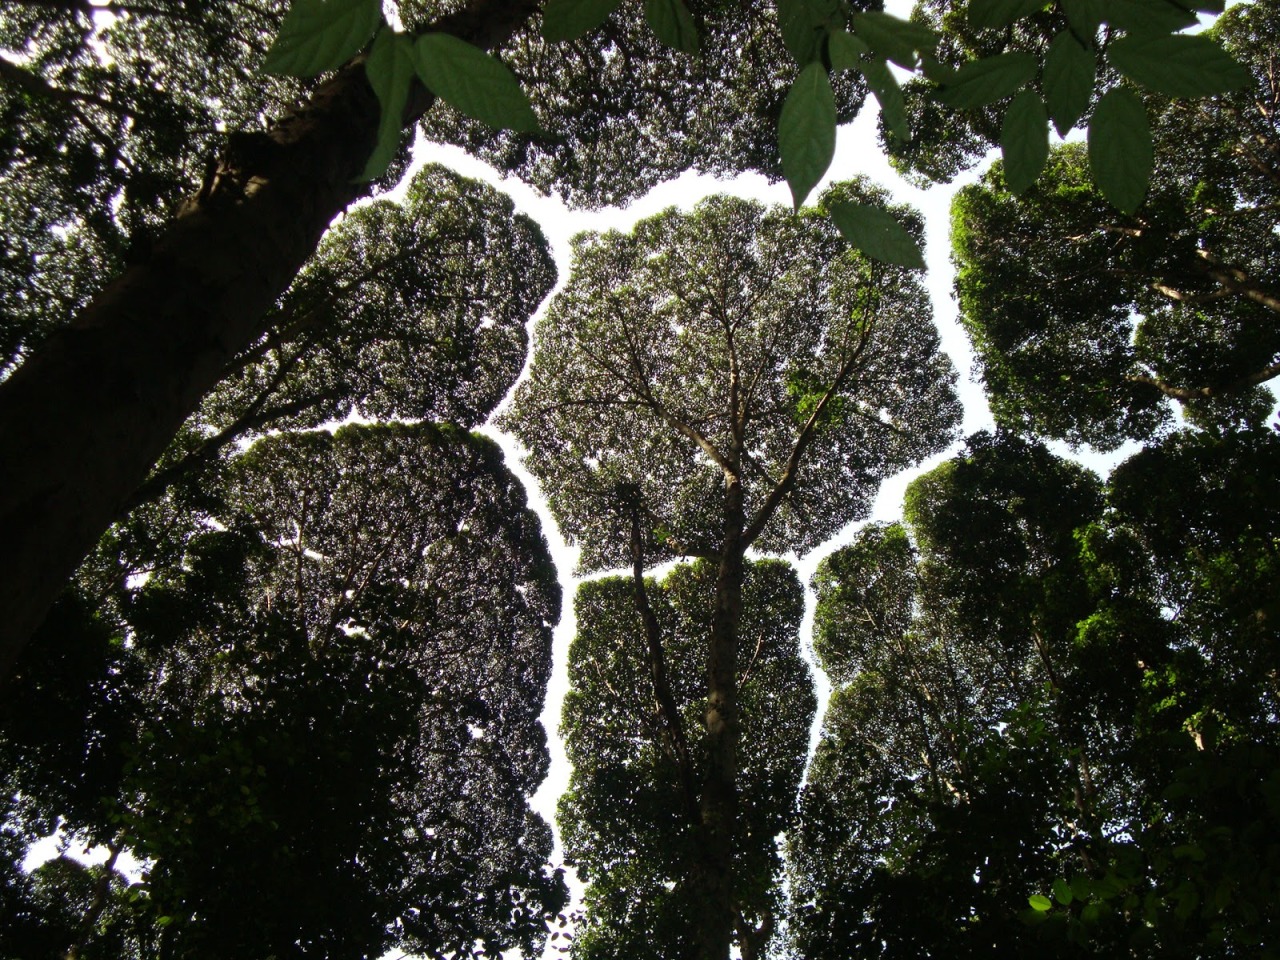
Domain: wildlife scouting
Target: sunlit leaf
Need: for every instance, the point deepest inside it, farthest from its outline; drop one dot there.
(320, 35)
(807, 131)
(1040, 903)
(473, 82)
(875, 232)
(1120, 151)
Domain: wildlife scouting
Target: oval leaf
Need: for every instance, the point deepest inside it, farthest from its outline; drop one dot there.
(803, 22)
(1001, 13)
(320, 35)
(875, 232)
(673, 24)
(390, 68)
(1069, 71)
(1040, 903)
(1024, 140)
(1145, 17)
(473, 82)
(1178, 66)
(1062, 892)
(1120, 153)
(564, 20)
(846, 50)
(894, 38)
(807, 131)
(893, 107)
(982, 82)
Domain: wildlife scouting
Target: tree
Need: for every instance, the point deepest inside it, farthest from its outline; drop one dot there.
(1050, 283)
(1037, 725)
(630, 815)
(732, 377)
(336, 675)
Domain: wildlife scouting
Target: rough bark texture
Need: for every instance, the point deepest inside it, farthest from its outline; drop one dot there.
(720, 788)
(84, 419)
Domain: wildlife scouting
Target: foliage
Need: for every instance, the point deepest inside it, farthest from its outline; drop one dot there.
(624, 816)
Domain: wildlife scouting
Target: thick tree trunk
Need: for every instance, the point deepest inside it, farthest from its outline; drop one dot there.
(720, 788)
(84, 419)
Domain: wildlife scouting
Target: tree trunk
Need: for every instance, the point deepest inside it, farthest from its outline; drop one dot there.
(720, 789)
(85, 418)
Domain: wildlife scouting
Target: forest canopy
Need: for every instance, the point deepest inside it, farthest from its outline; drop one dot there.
(297, 667)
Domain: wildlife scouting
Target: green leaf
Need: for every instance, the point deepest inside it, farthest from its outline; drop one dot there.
(807, 131)
(875, 232)
(1085, 16)
(320, 35)
(1040, 903)
(893, 38)
(473, 82)
(1120, 153)
(893, 107)
(803, 22)
(1147, 17)
(390, 69)
(164, 921)
(846, 50)
(1001, 13)
(1069, 72)
(1024, 140)
(1062, 892)
(1178, 66)
(673, 24)
(982, 82)
(564, 20)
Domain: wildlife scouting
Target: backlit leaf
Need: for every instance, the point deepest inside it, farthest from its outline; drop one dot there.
(473, 82)
(846, 51)
(893, 106)
(1001, 13)
(893, 38)
(1120, 152)
(803, 23)
(320, 35)
(1178, 65)
(390, 68)
(1024, 140)
(1084, 17)
(1040, 903)
(1147, 17)
(569, 19)
(875, 232)
(807, 131)
(672, 23)
(1069, 71)
(982, 82)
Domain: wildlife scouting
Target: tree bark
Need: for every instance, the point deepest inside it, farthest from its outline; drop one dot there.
(83, 420)
(720, 788)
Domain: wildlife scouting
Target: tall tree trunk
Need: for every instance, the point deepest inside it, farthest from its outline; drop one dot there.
(85, 418)
(720, 788)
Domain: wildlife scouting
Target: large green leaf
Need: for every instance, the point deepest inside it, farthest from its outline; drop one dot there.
(672, 23)
(1001, 13)
(390, 69)
(1084, 17)
(893, 106)
(846, 50)
(569, 19)
(1069, 71)
(807, 131)
(1120, 152)
(1024, 140)
(320, 35)
(893, 38)
(1179, 66)
(803, 23)
(875, 232)
(473, 82)
(1148, 17)
(982, 82)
